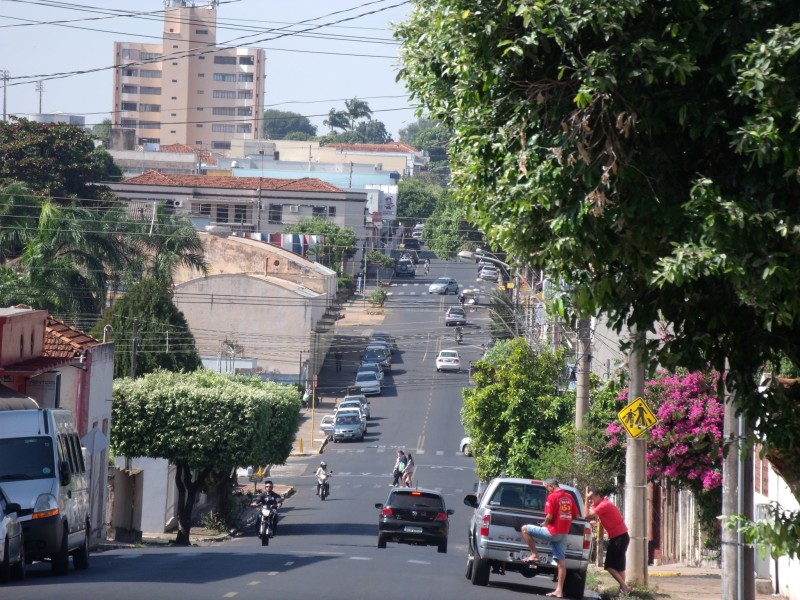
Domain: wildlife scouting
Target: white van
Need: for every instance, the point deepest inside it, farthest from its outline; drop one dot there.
(42, 469)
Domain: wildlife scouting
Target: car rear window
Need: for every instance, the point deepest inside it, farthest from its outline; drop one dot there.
(415, 500)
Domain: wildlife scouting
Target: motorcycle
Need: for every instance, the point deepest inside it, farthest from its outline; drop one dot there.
(267, 519)
(323, 486)
(459, 335)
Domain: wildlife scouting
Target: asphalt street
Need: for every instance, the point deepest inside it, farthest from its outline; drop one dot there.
(328, 549)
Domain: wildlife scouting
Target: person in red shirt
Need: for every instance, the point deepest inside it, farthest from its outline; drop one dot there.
(559, 509)
(611, 519)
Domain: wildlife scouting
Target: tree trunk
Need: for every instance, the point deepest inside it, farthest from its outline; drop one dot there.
(187, 495)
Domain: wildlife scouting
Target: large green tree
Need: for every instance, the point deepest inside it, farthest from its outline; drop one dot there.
(203, 422)
(339, 243)
(433, 138)
(55, 160)
(646, 153)
(448, 231)
(278, 124)
(416, 200)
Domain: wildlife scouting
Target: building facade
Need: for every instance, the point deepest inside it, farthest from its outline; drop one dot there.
(187, 90)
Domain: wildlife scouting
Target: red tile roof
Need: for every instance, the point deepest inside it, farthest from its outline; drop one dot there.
(388, 147)
(62, 341)
(204, 155)
(304, 184)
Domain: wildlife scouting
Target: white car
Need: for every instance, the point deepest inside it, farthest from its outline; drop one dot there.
(444, 285)
(448, 360)
(489, 273)
(367, 382)
(359, 398)
(372, 366)
(466, 446)
(353, 404)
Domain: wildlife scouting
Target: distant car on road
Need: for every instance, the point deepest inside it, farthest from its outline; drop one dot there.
(411, 243)
(372, 366)
(414, 516)
(405, 266)
(444, 285)
(367, 382)
(455, 315)
(489, 273)
(448, 360)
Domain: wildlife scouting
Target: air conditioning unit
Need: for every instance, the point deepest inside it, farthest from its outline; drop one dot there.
(177, 203)
(294, 208)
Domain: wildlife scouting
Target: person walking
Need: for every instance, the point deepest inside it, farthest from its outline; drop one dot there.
(559, 510)
(602, 509)
(408, 472)
(399, 467)
(338, 355)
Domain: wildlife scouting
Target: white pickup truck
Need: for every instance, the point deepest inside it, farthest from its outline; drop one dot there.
(496, 544)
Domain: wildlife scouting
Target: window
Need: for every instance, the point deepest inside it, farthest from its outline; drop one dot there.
(201, 57)
(151, 56)
(240, 213)
(130, 89)
(244, 128)
(331, 211)
(225, 77)
(201, 108)
(221, 145)
(149, 140)
(201, 31)
(128, 123)
(228, 95)
(245, 94)
(204, 210)
(244, 111)
(149, 125)
(221, 128)
(201, 91)
(128, 106)
(130, 54)
(222, 214)
(151, 73)
(155, 91)
(150, 108)
(245, 77)
(201, 74)
(130, 72)
(275, 213)
(227, 111)
(224, 60)
(319, 211)
(199, 125)
(246, 60)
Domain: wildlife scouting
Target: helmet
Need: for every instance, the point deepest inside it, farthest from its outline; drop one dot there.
(323, 464)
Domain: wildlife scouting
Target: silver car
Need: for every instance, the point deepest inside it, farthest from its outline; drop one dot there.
(348, 426)
(360, 398)
(355, 404)
(444, 285)
(367, 382)
(374, 367)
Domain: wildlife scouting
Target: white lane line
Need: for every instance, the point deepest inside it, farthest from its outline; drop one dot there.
(254, 583)
(289, 563)
(230, 594)
(360, 558)
(419, 562)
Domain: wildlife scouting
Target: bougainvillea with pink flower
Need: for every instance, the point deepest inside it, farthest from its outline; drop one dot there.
(686, 443)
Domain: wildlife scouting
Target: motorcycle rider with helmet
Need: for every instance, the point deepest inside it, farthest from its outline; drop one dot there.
(321, 473)
(269, 497)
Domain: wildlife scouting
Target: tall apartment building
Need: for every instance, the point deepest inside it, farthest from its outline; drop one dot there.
(187, 90)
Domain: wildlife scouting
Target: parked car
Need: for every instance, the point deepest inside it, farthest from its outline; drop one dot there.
(466, 446)
(360, 398)
(367, 383)
(489, 273)
(383, 336)
(352, 404)
(414, 516)
(326, 425)
(374, 367)
(377, 354)
(448, 360)
(348, 425)
(455, 315)
(411, 243)
(444, 285)
(404, 266)
(380, 344)
(12, 544)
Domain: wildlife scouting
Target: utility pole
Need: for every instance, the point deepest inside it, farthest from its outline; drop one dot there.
(738, 561)
(636, 473)
(40, 88)
(134, 343)
(4, 77)
(583, 368)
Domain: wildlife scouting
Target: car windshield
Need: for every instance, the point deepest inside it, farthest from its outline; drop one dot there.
(355, 405)
(441, 281)
(365, 376)
(416, 500)
(26, 458)
(456, 311)
(346, 420)
(445, 354)
(377, 354)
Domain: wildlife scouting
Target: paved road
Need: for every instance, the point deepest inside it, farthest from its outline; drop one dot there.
(328, 549)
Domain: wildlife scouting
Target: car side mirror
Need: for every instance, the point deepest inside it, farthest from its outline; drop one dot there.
(471, 500)
(63, 472)
(13, 507)
(378, 505)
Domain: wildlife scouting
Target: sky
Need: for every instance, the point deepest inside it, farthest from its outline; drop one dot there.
(346, 49)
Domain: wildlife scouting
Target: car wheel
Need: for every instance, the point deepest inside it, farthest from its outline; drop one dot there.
(81, 556)
(5, 566)
(443, 547)
(18, 570)
(480, 571)
(60, 560)
(381, 541)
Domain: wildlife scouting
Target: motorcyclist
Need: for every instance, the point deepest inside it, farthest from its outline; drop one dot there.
(322, 471)
(458, 333)
(270, 498)
(461, 299)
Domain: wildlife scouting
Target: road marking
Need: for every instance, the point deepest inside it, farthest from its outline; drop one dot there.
(254, 583)
(360, 558)
(419, 562)
(289, 563)
(230, 594)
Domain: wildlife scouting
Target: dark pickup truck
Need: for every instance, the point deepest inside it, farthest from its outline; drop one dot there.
(495, 540)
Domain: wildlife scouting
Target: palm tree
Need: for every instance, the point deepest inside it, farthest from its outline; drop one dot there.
(357, 109)
(337, 120)
(19, 219)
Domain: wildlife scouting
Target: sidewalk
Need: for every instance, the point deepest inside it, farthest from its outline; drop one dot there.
(680, 581)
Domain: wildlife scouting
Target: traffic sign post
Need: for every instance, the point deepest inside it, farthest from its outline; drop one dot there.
(637, 417)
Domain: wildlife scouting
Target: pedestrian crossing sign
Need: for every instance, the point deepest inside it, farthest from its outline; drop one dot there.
(637, 417)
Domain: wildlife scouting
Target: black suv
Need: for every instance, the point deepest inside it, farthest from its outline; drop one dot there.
(414, 516)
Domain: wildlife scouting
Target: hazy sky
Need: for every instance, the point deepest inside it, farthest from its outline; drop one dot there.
(346, 50)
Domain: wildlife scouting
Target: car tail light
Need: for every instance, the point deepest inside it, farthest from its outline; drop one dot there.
(441, 516)
(487, 520)
(587, 537)
(387, 511)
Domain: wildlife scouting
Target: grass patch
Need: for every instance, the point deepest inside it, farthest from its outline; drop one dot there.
(605, 585)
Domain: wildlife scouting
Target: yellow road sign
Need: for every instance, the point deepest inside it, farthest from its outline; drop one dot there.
(637, 417)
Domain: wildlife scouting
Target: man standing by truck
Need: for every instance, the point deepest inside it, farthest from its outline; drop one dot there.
(611, 519)
(559, 510)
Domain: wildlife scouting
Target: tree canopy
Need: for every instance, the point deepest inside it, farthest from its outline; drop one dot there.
(647, 154)
(278, 124)
(339, 243)
(202, 422)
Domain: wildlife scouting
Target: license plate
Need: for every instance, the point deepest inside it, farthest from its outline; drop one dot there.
(412, 529)
(544, 559)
